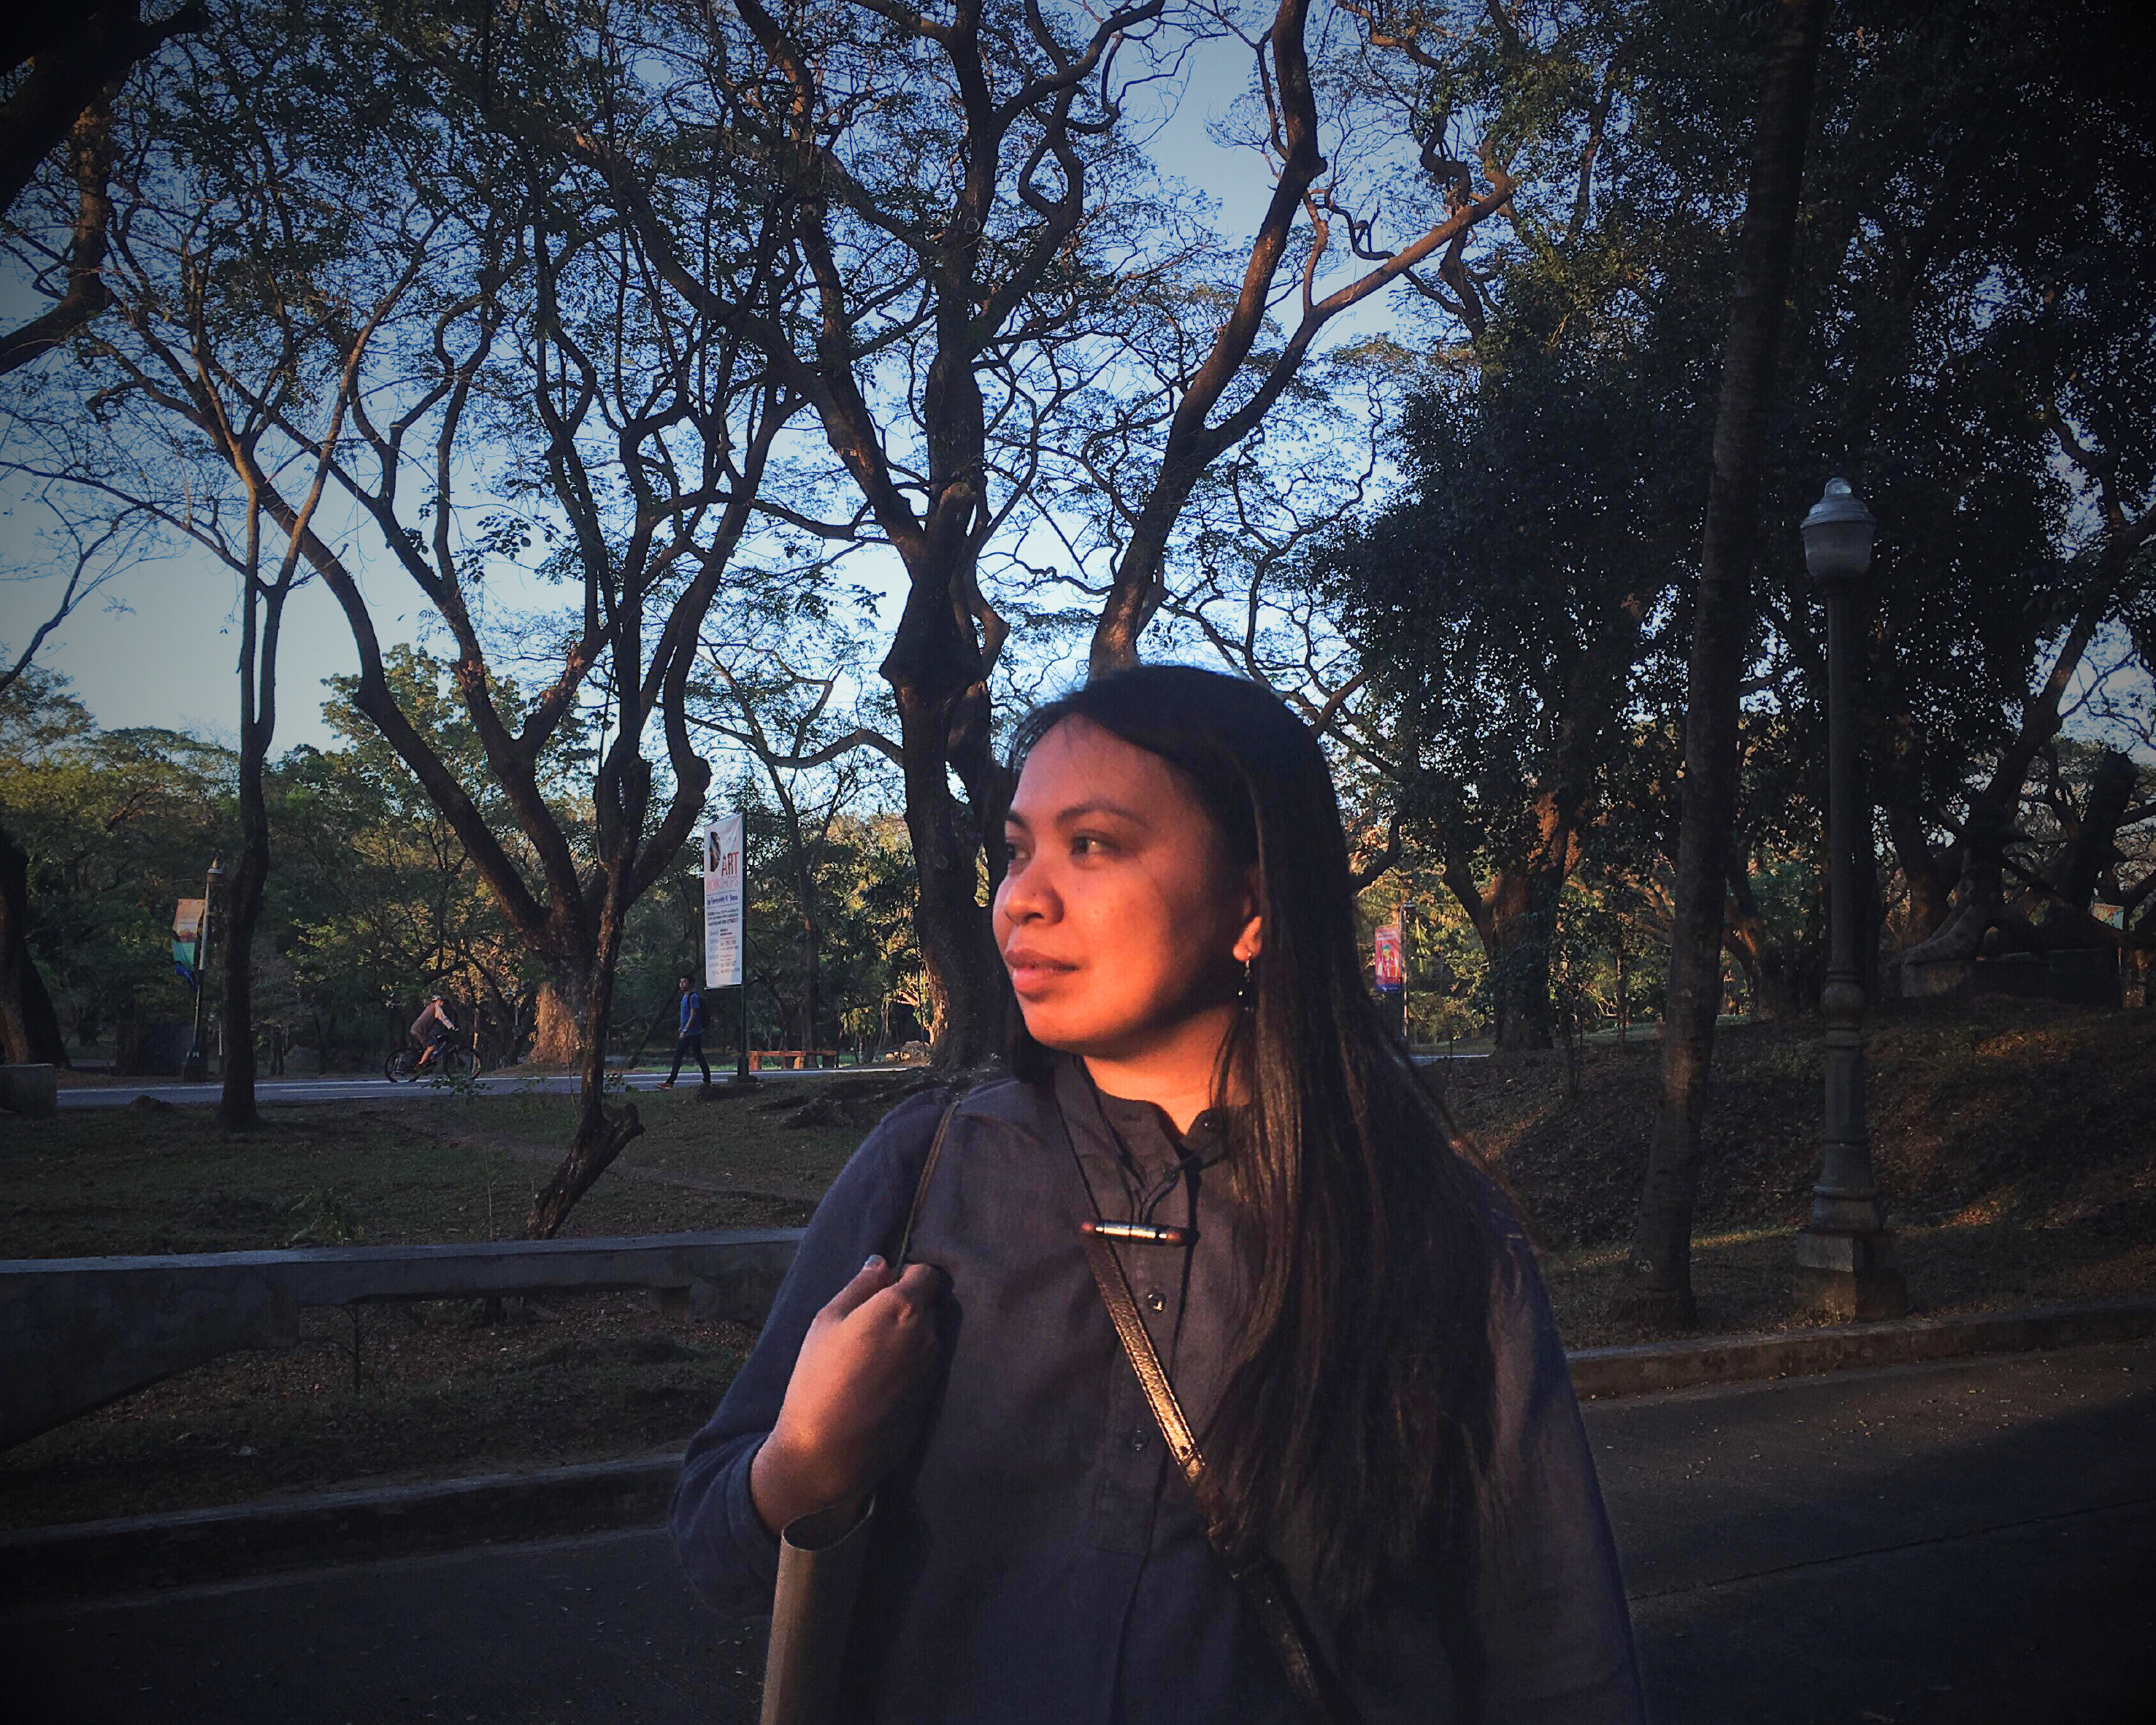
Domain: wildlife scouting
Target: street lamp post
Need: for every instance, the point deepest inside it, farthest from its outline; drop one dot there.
(195, 1067)
(1845, 1263)
(1406, 953)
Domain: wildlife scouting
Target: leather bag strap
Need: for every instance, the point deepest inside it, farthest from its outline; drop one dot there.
(1247, 1563)
(921, 1186)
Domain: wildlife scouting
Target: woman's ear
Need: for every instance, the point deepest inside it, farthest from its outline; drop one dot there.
(1251, 940)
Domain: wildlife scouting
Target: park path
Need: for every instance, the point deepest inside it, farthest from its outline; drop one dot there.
(1973, 1543)
(274, 1092)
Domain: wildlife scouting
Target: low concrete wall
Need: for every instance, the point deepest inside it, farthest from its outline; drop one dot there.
(78, 1332)
(32, 1091)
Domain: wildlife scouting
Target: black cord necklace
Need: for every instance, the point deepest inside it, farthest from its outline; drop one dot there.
(1141, 1233)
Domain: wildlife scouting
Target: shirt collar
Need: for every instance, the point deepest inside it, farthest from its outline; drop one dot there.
(1120, 1127)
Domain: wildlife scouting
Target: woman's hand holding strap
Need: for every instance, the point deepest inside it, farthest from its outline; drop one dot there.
(866, 1367)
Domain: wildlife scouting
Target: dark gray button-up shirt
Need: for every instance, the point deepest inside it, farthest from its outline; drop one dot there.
(1041, 1559)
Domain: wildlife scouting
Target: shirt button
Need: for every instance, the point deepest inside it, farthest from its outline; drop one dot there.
(1138, 1443)
(1156, 1299)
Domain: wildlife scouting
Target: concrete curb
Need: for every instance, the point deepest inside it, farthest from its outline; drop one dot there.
(131, 1553)
(40, 1565)
(1734, 1359)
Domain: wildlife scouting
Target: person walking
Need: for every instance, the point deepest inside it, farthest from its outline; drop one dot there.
(689, 1038)
(1214, 1198)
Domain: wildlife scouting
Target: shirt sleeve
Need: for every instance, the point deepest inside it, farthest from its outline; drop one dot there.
(1557, 1633)
(729, 1557)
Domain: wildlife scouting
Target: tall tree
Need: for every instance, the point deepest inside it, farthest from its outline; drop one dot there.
(235, 373)
(1656, 1287)
(66, 68)
(532, 410)
(992, 287)
(1978, 374)
(1502, 603)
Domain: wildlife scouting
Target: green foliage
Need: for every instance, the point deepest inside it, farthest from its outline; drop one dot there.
(1522, 603)
(118, 825)
(374, 903)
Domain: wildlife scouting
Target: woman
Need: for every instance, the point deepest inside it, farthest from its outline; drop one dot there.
(1344, 1305)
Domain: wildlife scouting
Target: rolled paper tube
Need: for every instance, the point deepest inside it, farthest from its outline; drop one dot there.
(811, 1613)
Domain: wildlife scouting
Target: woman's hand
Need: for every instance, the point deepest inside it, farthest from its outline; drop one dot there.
(865, 1367)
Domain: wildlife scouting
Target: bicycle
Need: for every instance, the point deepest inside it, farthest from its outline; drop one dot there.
(454, 1060)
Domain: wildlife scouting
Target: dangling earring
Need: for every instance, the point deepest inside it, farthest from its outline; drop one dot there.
(1244, 998)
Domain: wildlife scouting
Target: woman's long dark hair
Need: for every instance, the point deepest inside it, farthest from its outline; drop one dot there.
(1358, 1415)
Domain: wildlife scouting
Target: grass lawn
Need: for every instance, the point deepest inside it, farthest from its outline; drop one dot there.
(94, 1182)
(2016, 1142)
(786, 1136)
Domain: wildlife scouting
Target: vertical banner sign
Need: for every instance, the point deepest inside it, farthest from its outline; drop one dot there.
(186, 939)
(1386, 956)
(722, 903)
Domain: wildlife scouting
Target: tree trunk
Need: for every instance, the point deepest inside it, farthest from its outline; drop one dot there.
(558, 1014)
(236, 1110)
(935, 674)
(1655, 1285)
(811, 980)
(2092, 846)
(1897, 772)
(805, 879)
(261, 618)
(1778, 986)
(1930, 888)
(30, 1029)
(1516, 942)
(601, 1133)
(1516, 918)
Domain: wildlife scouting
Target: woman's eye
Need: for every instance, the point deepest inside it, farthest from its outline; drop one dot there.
(1090, 845)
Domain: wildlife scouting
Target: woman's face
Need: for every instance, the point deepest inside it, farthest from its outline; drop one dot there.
(1120, 918)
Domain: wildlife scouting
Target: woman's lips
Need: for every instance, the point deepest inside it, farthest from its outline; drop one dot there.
(1032, 972)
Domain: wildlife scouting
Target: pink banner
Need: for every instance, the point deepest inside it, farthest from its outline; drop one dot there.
(1387, 957)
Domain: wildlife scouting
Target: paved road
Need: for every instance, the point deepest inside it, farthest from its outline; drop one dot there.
(287, 1091)
(272, 1092)
(1973, 1544)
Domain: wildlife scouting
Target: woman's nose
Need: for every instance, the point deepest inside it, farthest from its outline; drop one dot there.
(1024, 895)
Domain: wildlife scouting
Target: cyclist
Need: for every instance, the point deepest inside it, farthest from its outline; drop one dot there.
(431, 1029)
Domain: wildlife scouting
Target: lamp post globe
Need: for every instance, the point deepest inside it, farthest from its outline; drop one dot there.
(1845, 1258)
(1837, 536)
